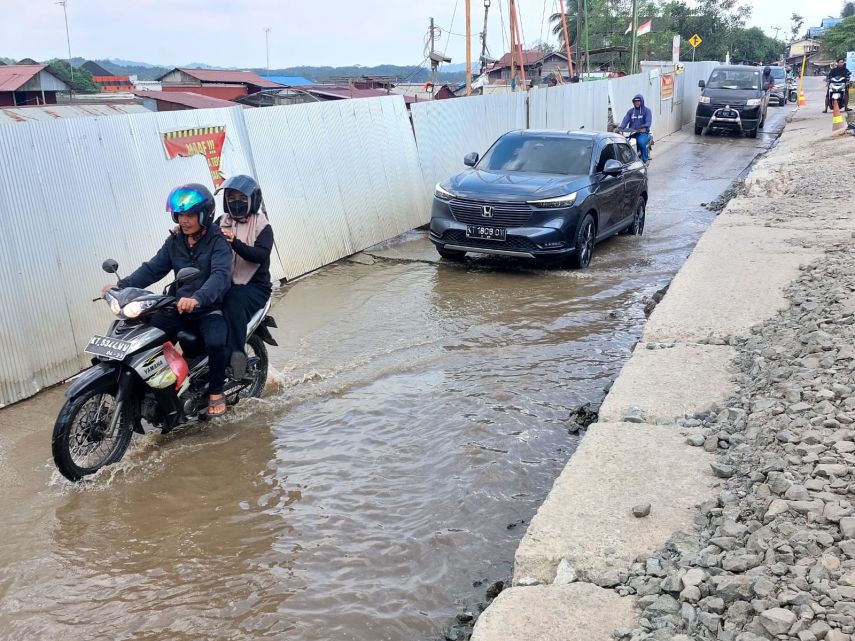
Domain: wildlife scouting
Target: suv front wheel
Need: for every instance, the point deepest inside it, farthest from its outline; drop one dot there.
(586, 236)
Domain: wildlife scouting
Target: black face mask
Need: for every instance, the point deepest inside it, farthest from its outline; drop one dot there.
(238, 209)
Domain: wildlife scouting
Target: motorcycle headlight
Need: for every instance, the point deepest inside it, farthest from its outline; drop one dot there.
(754, 102)
(134, 309)
(554, 203)
(704, 100)
(442, 194)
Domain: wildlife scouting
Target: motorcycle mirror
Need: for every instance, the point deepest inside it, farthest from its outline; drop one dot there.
(110, 266)
(186, 274)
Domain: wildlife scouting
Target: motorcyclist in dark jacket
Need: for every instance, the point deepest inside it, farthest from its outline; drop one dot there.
(640, 119)
(838, 73)
(195, 243)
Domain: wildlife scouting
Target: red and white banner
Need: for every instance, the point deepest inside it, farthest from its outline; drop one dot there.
(204, 141)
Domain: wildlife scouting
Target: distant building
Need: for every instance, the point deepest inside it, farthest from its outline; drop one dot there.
(146, 85)
(290, 81)
(314, 93)
(536, 64)
(825, 25)
(28, 85)
(109, 82)
(215, 83)
(181, 100)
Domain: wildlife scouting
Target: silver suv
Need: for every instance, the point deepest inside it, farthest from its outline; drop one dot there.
(778, 91)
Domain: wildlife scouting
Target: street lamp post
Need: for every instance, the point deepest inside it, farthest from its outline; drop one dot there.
(67, 37)
(267, 47)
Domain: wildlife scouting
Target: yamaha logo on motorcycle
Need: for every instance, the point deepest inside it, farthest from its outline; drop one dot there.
(139, 382)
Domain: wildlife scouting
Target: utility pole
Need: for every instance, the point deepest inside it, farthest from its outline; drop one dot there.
(468, 47)
(267, 47)
(513, 43)
(67, 37)
(570, 65)
(433, 64)
(587, 48)
(634, 36)
(484, 38)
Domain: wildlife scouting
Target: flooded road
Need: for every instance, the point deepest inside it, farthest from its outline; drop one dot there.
(418, 417)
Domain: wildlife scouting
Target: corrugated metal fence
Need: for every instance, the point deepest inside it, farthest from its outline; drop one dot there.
(338, 177)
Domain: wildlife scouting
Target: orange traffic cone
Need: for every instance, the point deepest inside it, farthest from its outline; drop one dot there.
(836, 118)
(802, 99)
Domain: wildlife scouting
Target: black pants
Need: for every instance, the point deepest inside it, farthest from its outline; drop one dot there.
(240, 304)
(212, 327)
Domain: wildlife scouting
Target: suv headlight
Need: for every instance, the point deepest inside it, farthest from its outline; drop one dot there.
(554, 203)
(753, 102)
(704, 100)
(442, 194)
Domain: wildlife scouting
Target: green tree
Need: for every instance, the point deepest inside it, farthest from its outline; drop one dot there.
(840, 38)
(848, 10)
(82, 82)
(796, 22)
(755, 46)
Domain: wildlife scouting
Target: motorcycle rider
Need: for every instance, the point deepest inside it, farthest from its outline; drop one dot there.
(251, 238)
(200, 244)
(639, 118)
(838, 74)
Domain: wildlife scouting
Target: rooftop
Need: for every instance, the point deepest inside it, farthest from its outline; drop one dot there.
(9, 116)
(14, 76)
(290, 81)
(187, 99)
(226, 76)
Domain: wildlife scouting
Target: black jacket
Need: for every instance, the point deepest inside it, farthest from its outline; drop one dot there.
(211, 255)
(837, 72)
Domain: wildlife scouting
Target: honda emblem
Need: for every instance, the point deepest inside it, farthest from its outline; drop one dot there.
(487, 211)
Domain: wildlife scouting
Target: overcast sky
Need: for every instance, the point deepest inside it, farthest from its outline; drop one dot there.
(230, 33)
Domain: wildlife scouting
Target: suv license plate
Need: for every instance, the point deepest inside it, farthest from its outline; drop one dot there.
(108, 347)
(485, 233)
(727, 113)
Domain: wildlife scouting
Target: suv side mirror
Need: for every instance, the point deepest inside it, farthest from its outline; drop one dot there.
(701, 84)
(612, 168)
(110, 266)
(186, 274)
(471, 159)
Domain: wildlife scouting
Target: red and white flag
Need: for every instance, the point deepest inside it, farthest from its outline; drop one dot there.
(642, 28)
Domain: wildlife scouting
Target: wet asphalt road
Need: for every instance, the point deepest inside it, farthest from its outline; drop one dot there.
(417, 418)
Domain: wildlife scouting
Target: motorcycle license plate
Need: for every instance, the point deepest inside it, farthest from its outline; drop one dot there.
(485, 233)
(835, 96)
(108, 347)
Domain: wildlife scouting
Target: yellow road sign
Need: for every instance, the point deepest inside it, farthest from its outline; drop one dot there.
(695, 40)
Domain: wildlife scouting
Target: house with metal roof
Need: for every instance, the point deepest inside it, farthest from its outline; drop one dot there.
(215, 83)
(28, 85)
(109, 82)
(536, 63)
(181, 100)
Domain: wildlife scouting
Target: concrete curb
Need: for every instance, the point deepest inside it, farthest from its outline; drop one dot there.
(585, 530)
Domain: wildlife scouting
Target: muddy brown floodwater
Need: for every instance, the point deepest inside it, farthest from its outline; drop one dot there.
(417, 419)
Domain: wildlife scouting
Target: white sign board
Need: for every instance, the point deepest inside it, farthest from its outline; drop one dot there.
(675, 50)
(850, 61)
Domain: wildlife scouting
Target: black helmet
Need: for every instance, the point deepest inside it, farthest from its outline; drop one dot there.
(192, 198)
(249, 188)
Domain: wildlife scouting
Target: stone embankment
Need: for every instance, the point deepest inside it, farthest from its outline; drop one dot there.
(715, 499)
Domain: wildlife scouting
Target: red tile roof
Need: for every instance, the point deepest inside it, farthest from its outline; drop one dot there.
(188, 99)
(14, 76)
(227, 76)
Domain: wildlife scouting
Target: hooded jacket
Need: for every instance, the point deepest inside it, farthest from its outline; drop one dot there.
(641, 118)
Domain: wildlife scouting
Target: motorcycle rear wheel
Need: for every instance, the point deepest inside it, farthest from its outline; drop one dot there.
(256, 370)
(80, 444)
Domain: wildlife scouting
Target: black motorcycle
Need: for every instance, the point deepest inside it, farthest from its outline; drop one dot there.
(137, 376)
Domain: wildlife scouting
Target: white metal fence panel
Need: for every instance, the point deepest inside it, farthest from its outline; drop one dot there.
(692, 73)
(583, 105)
(446, 130)
(338, 177)
(73, 193)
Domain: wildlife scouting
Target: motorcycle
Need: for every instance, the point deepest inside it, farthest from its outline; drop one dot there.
(631, 136)
(136, 375)
(792, 90)
(837, 89)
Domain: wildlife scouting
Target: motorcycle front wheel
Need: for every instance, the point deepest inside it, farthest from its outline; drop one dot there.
(82, 442)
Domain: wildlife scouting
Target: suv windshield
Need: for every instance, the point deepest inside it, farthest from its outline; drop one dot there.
(778, 73)
(734, 79)
(539, 154)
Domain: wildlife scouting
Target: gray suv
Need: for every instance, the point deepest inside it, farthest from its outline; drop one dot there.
(778, 90)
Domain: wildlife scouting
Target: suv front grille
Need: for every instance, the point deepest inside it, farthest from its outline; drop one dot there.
(471, 212)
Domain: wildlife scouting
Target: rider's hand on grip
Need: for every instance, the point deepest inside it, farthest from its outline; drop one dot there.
(187, 305)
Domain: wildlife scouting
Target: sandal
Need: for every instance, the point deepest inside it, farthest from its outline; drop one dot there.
(216, 406)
